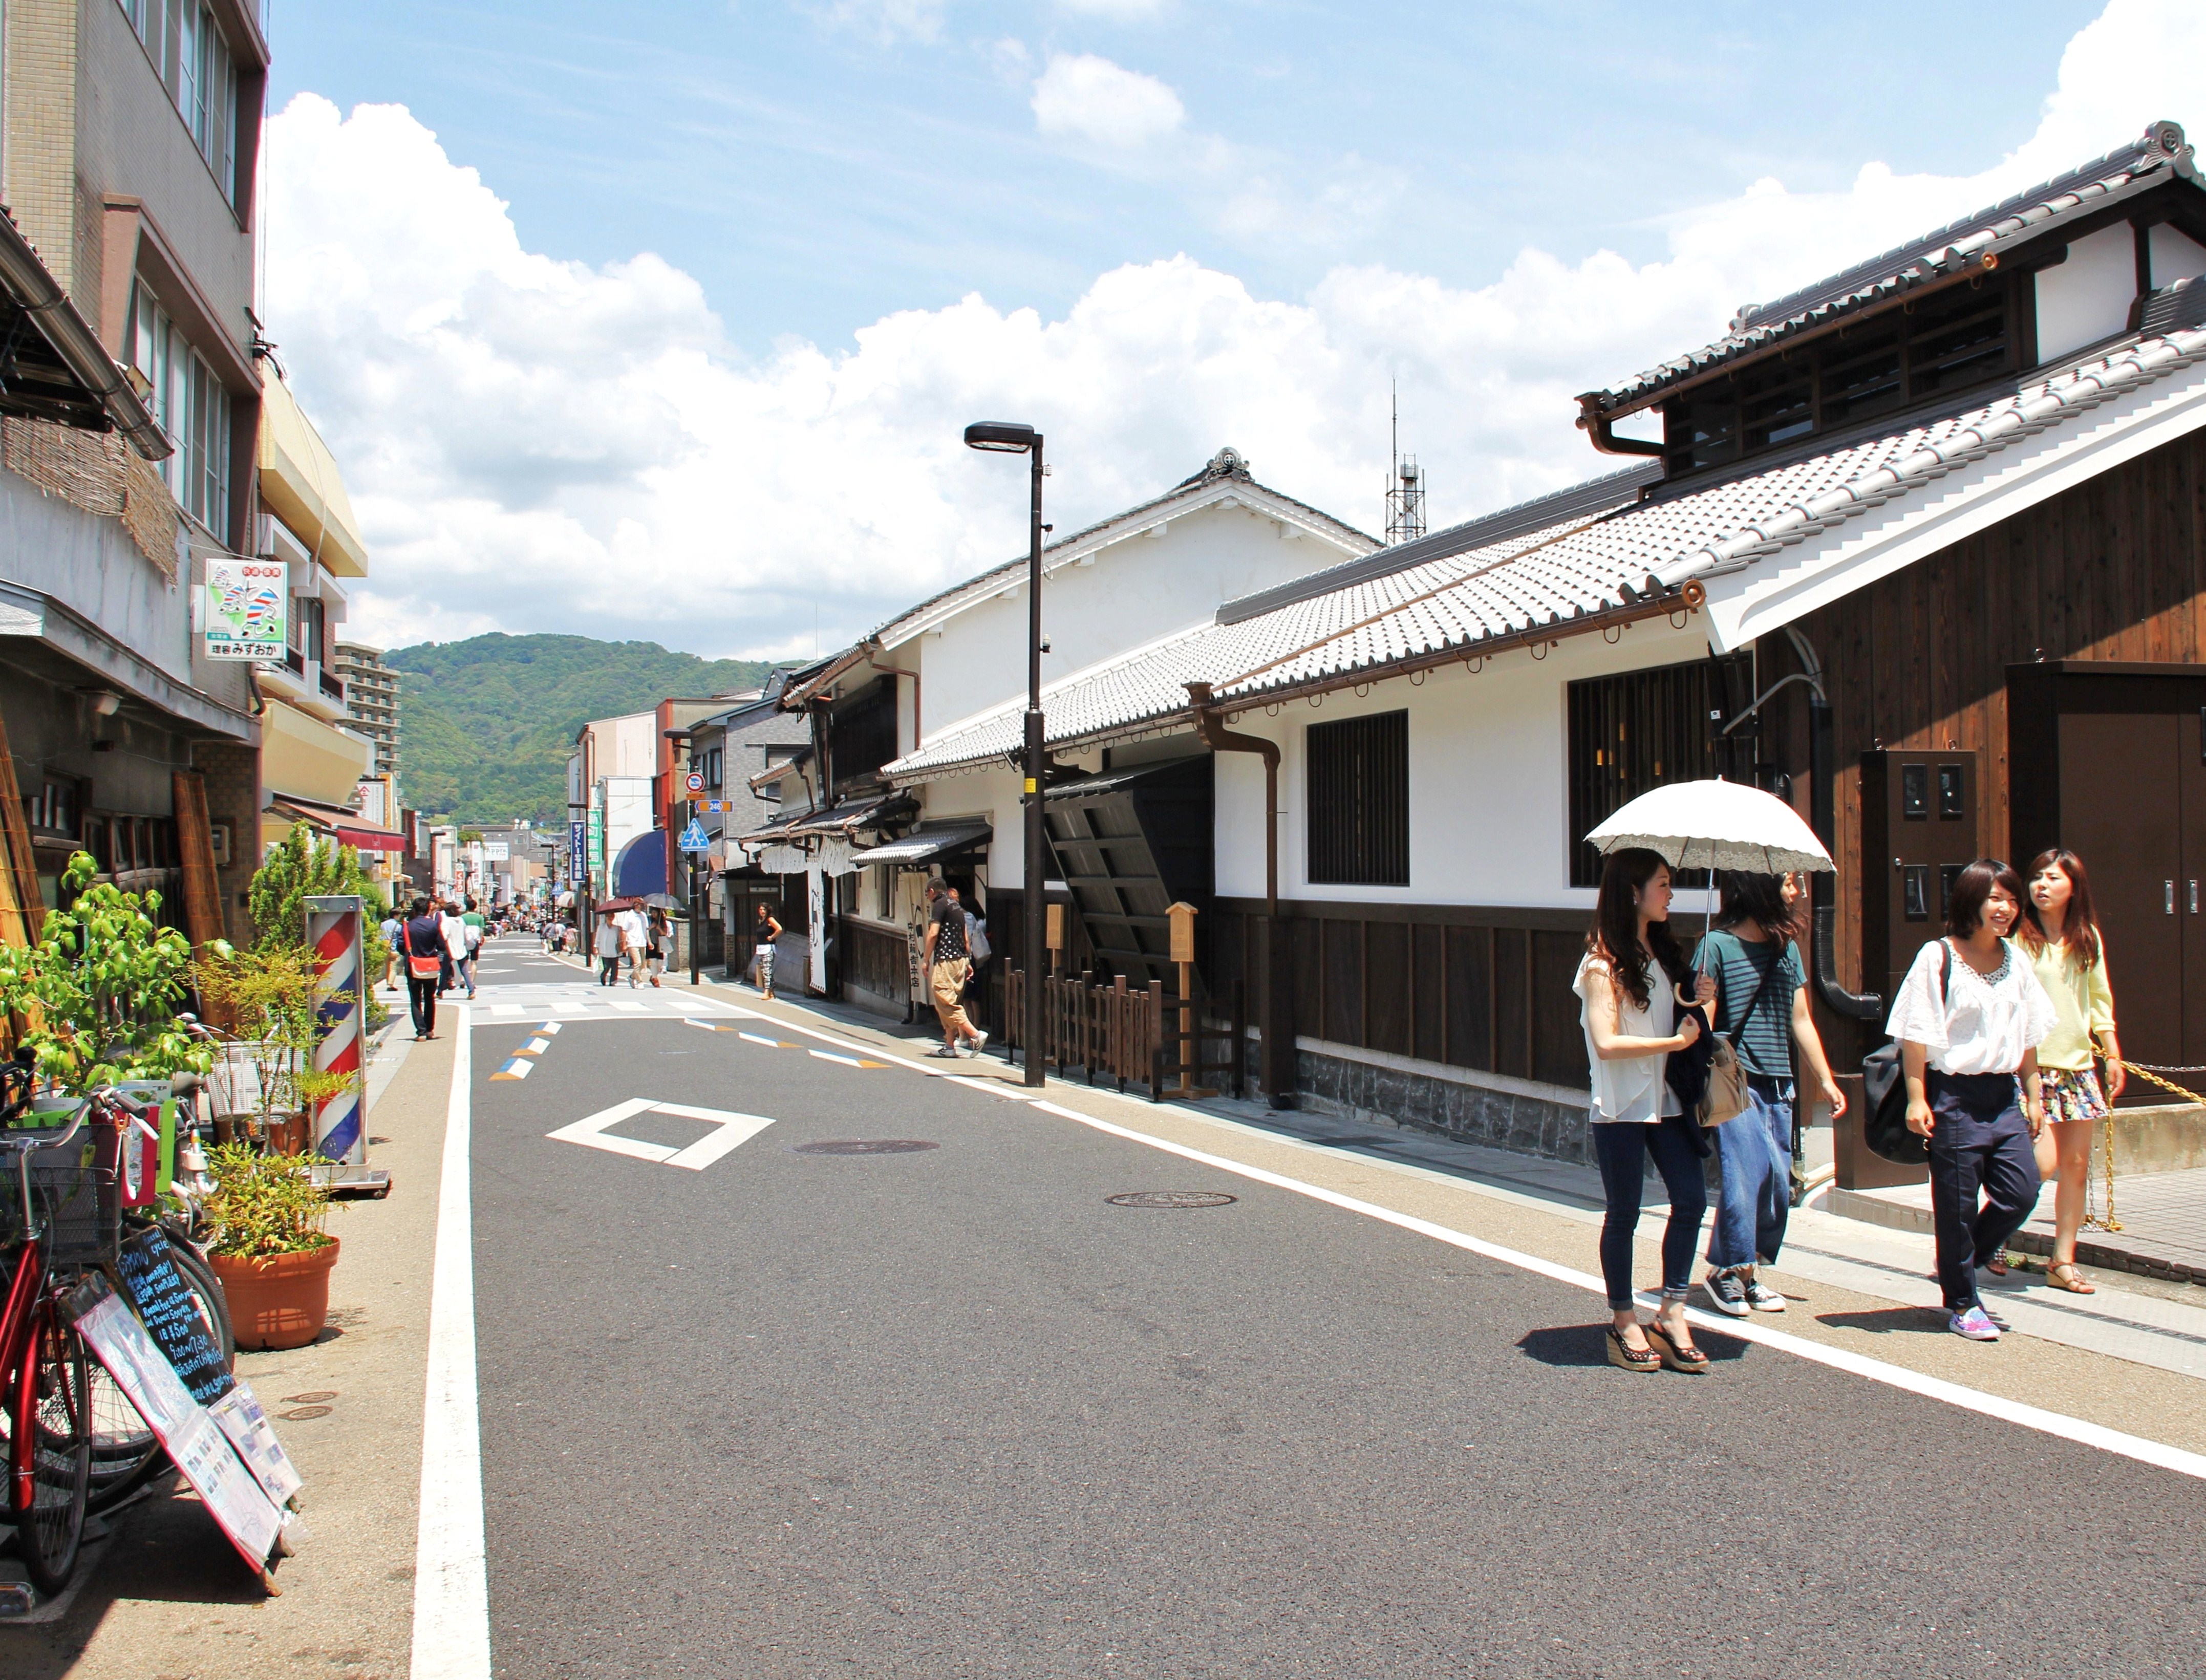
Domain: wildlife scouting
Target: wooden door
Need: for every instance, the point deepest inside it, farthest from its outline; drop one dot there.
(2189, 773)
(2122, 798)
(1919, 829)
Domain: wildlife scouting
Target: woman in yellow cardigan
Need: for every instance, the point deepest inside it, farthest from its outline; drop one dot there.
(2062, 937)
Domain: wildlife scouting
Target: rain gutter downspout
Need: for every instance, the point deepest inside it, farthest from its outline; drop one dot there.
(1211, 727)
(1822, 802)
(1275, 965)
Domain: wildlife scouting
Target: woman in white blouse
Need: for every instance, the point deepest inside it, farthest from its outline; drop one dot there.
(1627, 981)
(1969, 1018)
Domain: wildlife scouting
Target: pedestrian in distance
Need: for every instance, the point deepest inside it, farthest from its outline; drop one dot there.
(607, 948)
(1762, 1002)
(456, 945)
(421, 939)
(393, 926)
(635, 935)
(2069, 955)
(948, 964)
(657, 936)
(1627, 987)
(1969, 1018)
(471, 939)
(768, 931)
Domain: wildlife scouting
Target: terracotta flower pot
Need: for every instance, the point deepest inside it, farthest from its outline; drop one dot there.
(281, 1301)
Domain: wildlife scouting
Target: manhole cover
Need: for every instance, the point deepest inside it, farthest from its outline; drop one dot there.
(866, 1146)
(1169, 1199)
(312, 1399)
(302, 1413)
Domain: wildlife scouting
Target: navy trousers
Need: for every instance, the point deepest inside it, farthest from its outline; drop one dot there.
(1983, 1175)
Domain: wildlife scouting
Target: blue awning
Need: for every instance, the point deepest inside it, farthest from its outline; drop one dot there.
(641, 868)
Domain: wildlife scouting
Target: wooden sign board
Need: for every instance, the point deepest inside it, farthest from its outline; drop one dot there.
(1183, 933)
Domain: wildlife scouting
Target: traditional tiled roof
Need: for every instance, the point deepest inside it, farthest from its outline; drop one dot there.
(2161, 154)
(1578, 569)
(1224, 474)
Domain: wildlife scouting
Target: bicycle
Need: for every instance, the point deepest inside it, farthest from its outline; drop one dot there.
(75, 1224)
(46, 1371)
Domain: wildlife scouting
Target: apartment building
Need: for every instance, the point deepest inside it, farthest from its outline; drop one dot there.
(372, 700)
(129, 435)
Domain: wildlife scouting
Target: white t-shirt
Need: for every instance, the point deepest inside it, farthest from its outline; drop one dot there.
(608, 943)
(1631, 1088)
(455, 936)
(633, 932)
(1981, 1026)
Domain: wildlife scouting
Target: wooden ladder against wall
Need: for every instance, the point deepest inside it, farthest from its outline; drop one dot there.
(22, 907)
(195, 846)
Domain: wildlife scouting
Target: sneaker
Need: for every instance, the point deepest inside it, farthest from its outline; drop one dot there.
(1976, 1324)
(1727, 1292)
(976, 1044)
(1762, 1298)
(943, 1052)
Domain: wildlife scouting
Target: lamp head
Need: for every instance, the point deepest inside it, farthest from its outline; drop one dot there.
(1004, 436)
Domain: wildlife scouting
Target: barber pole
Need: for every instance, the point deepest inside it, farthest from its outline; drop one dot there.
(333, 930)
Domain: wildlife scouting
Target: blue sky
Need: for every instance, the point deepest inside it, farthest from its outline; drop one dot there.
(815, 173)
(661, 320)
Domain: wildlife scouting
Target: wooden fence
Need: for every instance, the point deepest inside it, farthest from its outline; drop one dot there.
(1132, 1035)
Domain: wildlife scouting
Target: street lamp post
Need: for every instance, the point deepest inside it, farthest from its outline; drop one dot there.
(1011, 440)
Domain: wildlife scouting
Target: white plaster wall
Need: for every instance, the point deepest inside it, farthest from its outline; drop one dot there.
(628, 811)
(1489, 809)
(2176, 255)
(2086, 297)
(1135, 592)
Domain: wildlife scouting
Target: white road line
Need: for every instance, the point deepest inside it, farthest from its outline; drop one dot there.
(730, 1130)
(770, 1043)
(829, 1056)
(451, 1579)
(1877, 1370)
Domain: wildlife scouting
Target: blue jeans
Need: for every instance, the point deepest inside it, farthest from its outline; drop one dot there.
(1754, 1149)
(1621, 1147)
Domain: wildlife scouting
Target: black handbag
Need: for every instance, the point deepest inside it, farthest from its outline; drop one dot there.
(1884, 1122)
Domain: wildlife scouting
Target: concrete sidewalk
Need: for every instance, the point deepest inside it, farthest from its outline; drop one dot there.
(2129, 1319)
(169, 1597)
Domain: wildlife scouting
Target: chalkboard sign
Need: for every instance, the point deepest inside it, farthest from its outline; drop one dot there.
(171, 1316)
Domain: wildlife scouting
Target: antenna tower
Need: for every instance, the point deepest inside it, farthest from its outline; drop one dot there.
(1405, 489)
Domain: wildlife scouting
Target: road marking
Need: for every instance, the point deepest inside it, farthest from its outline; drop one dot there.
(514, 1068)
(770, 1043)
(548, 1026)
(734, 1129)
(535, 1046)
(847, 1061)
(451, 1575)
(1877, 1370)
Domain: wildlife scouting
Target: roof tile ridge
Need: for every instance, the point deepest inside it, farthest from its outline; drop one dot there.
(2007, 421)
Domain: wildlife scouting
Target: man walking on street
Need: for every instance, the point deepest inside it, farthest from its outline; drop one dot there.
(948, 967)
(607, 949)
(634, 936)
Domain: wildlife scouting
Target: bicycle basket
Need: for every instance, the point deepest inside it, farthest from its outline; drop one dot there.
(75, 1205)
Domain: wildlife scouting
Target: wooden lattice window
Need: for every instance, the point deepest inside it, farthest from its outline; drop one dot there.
(1359, 802)
(1642, 728)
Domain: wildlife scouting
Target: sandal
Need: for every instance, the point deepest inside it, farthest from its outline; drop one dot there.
(1677, 1355)
(1626, 1357)
(2075, 1283)
(1996, 1266)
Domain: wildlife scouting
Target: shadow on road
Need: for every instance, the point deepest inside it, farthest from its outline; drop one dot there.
(1889, 1320)
(1586, 1344)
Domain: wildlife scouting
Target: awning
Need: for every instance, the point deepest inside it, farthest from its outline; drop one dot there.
(844, 820)
(641, 868)
(928, 842)
(370, 839)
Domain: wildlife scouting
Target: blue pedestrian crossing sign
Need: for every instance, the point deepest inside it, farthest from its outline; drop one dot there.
(693, 837)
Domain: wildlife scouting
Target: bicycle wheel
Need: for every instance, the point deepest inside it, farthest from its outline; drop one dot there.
(53, 1412)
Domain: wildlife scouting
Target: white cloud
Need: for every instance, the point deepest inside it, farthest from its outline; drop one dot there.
(886, 21)
(1118, 11)
(1082, 97)
(542, 446)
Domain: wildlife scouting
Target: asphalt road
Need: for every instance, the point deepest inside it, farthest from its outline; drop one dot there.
(952, 1412)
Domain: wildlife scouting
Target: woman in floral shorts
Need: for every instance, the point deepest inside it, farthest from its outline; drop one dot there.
(2062, 937)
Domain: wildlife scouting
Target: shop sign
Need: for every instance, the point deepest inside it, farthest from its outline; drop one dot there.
(247, 614)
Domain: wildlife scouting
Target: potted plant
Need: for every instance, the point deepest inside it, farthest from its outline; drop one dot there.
(270, 1251)
(96, 999)
(266, 996)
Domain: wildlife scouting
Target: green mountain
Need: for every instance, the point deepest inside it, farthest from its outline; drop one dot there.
(486, 724)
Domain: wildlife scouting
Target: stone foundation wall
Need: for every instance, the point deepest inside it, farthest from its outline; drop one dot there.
(1435, 1101)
